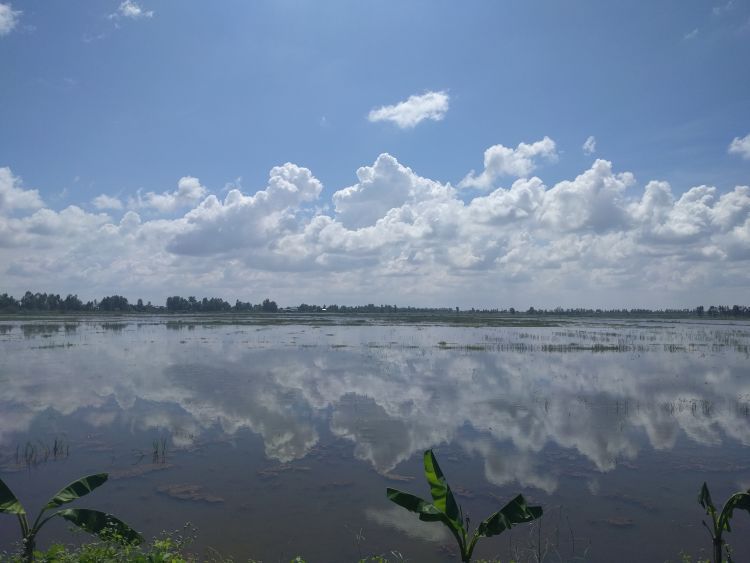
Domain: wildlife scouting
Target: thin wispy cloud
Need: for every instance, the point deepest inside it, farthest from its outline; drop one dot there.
(741, 146)
(9, 19)
(414, 110)
(90, 38)
(723, 8)
(691, 35)
(589, 146)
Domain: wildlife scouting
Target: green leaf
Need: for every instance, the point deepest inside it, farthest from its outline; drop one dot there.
(737, 500)
(426, 510)
(77, 489)
(705, 500)
(101, 524)
(442, 496)
(515, 512)
(8, 501)
(408, 501)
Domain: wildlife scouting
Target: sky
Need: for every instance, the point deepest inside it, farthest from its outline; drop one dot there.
(432, 153)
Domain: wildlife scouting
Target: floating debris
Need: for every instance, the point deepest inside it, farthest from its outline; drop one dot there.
(396, 477)
(186, 491)
(631, 500)
(335, 485)
(276, 470)
(614, 522)
(138, 470)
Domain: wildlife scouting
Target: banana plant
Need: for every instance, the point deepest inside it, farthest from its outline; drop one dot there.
(445, 509)
(92, 521)
(720, 520)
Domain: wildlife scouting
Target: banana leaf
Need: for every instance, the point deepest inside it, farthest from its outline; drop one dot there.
(737, 500)
(515, 512)
(704, 498)
(9, 504)
(101, 524)
(442, 496)
(77, 489)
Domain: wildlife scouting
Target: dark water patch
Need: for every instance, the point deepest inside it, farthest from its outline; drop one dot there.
(44, 330)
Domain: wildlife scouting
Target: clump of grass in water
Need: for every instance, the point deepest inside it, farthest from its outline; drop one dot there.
(33, 454)
(159, 451)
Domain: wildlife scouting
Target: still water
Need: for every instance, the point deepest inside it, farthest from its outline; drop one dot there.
(278, 440)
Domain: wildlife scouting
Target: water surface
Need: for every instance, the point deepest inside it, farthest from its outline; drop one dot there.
(280, 439)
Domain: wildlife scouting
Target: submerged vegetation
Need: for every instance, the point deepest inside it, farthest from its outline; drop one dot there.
(32, 454)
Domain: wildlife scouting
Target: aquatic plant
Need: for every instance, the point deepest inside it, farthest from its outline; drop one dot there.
(445, 509)
(720, 520)
(34, 454)
(92, 521)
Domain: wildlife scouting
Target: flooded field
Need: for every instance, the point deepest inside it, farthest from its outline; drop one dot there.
(280, 439)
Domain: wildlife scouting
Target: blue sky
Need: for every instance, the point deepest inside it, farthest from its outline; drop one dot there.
(126, 98)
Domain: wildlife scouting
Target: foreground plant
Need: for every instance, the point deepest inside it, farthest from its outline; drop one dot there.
(444, 508)
(92, 521)
(720, 521)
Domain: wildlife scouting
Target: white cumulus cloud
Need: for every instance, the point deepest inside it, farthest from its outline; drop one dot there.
(105, 201)
(741, 146)
(502, 161)
(9, 19)
(383, 186)
(594, 200)
(189, 191)
(397, 236)
(131, 10)
(14, 196)
(414, 110)
(216, 227)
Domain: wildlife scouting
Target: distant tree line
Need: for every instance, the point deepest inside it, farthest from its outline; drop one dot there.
(51, 302)
(43, 302)
(369, 308)
(699, 311)
(179, 304)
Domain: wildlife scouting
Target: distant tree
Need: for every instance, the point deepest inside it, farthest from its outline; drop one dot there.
(239, 306)
(8, 303)
(269, 306)
(177, 303)
(114, 303)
